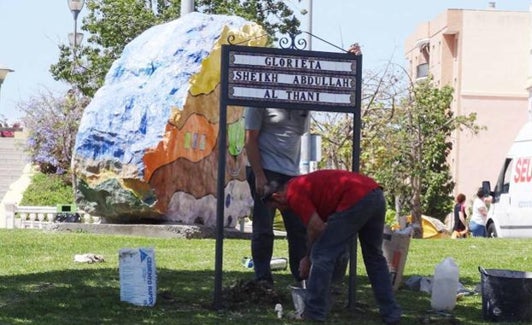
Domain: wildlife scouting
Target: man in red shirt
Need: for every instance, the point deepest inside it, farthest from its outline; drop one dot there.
(335, 205)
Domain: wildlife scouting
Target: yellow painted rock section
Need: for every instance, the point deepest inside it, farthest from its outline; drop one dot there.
(192, 131)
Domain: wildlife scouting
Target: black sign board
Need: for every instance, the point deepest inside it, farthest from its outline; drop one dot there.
(286, 78)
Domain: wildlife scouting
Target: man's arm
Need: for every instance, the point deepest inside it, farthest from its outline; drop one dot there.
(253, 153)
(315, 228)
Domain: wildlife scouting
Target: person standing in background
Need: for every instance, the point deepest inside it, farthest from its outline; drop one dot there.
(273, 144)
(477, 224)
(460, 228)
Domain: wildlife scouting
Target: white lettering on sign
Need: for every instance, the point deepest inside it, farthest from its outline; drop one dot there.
(313, 64)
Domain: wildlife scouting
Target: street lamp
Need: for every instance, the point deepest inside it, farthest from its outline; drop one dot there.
(75, 41)
(3, 73)
(75, 38)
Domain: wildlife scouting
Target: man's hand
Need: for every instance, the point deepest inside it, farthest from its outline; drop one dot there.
(260, 183)
(315, 228)
(304, 267)
(355, 49)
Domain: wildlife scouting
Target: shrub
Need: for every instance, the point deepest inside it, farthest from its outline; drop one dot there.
(47, 189)
(390, 218)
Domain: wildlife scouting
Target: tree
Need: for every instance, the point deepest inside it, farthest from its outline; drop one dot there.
(427, 124)
(112, 24)
(52, 123)
(406, 131)
(381, 90)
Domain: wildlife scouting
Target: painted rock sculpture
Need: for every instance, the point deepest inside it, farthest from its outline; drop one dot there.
(146, 149)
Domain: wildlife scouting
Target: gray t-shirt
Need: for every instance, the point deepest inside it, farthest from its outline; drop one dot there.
(280, 136)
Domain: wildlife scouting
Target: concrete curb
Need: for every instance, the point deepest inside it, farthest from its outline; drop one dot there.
(163, 231)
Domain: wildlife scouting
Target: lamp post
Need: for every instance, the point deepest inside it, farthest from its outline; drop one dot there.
(3, 73)
(75, 38)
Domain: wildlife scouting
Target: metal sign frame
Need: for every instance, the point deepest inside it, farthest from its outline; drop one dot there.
(289, 79)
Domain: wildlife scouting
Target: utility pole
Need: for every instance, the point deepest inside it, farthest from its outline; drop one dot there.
(308, 12)
(187, 6)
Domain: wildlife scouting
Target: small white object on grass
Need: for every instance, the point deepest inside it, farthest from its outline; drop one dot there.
(88, 258)
(279, 310)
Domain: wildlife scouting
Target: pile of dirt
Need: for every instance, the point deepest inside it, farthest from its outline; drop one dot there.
(252, 292)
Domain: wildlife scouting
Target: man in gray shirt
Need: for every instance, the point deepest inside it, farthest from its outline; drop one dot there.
(273, 143)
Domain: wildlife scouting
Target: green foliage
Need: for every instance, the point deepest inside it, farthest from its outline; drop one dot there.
(336, 131)
(42, 285)
(405, 141)
(274, 16)
(429, 118)
(427, 123)
(112, 24)
(390, 218)
(48, 190)
(278, 223)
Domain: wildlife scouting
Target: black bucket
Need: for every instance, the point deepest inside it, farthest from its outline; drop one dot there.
(506, 295)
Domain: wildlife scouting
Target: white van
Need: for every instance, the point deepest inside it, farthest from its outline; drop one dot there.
(510, 214)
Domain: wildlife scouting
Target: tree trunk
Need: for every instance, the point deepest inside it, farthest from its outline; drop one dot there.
(416, 215)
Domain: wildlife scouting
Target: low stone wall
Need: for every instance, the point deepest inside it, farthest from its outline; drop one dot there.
(164, 231)
(40, 217)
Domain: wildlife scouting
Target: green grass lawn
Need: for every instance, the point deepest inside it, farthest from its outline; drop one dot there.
(41, 284)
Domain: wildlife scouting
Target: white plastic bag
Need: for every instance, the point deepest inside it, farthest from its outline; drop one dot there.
(138, 276)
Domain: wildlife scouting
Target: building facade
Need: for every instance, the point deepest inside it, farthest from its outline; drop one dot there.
(484, 56)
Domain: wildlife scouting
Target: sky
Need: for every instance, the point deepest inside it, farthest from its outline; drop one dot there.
(31, 30)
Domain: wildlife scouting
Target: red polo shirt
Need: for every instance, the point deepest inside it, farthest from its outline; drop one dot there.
(326, 192)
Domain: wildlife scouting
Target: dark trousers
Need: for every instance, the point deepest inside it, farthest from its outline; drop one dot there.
(365, 218)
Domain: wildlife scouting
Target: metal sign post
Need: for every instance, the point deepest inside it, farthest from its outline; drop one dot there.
(289, 79)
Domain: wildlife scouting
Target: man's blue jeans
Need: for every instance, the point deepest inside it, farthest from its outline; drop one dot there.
(263, 237)
(366, 218)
